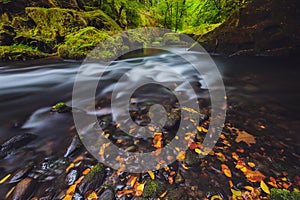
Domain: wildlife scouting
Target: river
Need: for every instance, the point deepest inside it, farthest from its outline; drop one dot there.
(261, 91)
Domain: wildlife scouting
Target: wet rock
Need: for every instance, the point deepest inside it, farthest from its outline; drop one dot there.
(107, 195)
(191, 158)
(93, 180)
(177, 193)
(21, 173)
(14, 143)
(77, 197)
(71, 177)
(75, 145)
(23, 190)
(61, 107)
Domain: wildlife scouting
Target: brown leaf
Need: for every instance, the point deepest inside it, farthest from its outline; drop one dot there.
(243, 136)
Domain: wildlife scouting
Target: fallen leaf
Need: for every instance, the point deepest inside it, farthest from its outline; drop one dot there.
(236, 193)
(5, 178)
(235, 156)
(163, 194)
(264, 187)
(181, 156)
(243, 136)
(92, 196)
(226, 170)
(151, 174)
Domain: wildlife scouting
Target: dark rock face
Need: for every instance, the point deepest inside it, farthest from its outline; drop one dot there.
(7, 35)
(264, 27)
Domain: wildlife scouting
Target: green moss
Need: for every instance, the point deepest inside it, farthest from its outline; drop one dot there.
(61, 107)
(77, 45)
(283, 194)
(96, 169)
(53, 22)
(200, 30)
(20, 52)
(153, 188)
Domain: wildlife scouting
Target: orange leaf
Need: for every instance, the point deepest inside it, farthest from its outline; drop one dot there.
(226, 170)
(220, 156)
(235, 156)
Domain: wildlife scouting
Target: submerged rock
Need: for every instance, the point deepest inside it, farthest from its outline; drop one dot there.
(15, 142)
(23, 190)
(107, 195)
(21, 173)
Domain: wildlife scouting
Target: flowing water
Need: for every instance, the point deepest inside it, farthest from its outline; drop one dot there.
(260, 90)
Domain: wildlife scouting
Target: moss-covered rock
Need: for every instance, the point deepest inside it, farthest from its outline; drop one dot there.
(61, 107)
(283, 194)
(77, 45)
(20, 52)
(51, 22)
(153, 188)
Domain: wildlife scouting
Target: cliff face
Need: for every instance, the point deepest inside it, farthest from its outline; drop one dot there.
(268, 27)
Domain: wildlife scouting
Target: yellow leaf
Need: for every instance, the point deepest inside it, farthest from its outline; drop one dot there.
(5, 178)
(92, 196)
(151, 174)
(9, 192)
(72, 165)
(264, 187)
(202, 129)
(251, 164)
(198, 151)
(216, 197)
(71, 189)
(163, 194)
(236, 193)
(249, 188)
(181, 156)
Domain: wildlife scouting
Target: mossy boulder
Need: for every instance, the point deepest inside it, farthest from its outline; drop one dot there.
(20, 52)
(51, 22)
(94, 43)
(77, 45)
(153, 188)
(93, 180)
